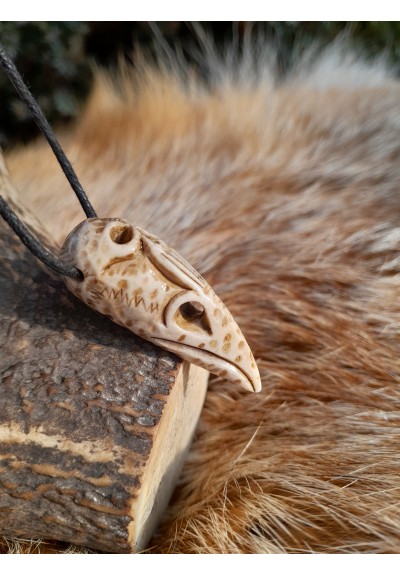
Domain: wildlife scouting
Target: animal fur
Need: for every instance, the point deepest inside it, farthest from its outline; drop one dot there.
(284, 194)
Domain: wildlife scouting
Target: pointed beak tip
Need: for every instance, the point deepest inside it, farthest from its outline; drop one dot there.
(250, 383)
(254, 386)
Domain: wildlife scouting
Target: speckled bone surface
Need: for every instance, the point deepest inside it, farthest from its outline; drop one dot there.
(141, 283)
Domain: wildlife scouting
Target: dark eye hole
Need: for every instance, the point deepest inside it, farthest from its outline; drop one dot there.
(191, 316)
(192, 310)
(121, 234)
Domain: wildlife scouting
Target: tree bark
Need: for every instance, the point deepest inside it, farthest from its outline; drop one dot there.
(94, 421)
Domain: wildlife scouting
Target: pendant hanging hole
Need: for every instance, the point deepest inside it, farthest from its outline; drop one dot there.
(121, 234)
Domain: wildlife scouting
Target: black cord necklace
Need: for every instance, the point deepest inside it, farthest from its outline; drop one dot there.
(31, 242)
(126, 272)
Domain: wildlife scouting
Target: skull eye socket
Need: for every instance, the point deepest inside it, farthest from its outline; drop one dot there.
(121, 234)
(192, 310)
(191, 316)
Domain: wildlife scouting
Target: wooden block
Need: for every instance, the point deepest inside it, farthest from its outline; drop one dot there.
(94, 421)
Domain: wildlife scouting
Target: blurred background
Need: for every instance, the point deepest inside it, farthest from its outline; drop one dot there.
(56, 58)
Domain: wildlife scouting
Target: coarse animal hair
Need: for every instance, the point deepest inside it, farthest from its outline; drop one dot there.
(283, 191)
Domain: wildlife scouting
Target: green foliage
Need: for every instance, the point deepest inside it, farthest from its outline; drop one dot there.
(371, 37)
(52, 60)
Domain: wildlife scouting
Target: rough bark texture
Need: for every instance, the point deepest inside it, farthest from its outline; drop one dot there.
(81, 402)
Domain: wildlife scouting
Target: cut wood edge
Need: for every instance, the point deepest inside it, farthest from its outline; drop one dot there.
(171, 444)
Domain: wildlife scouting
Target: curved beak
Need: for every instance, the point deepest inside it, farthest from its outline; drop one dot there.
(244, 373)
(208, 336)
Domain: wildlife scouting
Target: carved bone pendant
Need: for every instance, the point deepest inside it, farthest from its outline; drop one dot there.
(143, 284)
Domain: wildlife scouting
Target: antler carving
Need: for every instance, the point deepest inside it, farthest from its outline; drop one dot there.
(141, 283)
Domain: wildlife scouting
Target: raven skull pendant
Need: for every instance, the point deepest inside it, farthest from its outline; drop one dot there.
(142, 284)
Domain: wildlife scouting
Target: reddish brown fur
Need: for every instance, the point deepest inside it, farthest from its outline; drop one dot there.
(286, 198)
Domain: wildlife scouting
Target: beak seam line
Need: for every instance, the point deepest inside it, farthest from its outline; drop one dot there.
(155, 339)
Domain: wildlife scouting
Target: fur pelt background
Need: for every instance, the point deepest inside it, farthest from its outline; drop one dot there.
(285, 194)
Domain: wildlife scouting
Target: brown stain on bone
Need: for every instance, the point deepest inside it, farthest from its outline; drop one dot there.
(117, 260)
